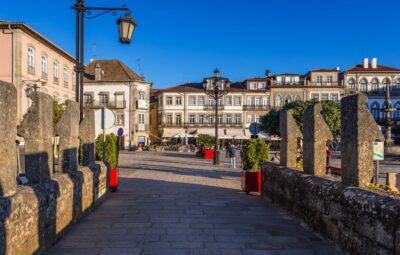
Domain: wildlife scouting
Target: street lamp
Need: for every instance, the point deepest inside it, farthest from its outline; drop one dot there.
(126, 26)
(216, 87)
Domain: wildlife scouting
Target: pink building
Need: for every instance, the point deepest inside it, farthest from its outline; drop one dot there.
(29, 60)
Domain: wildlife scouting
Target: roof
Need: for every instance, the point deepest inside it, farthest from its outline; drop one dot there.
(20, 25)
(324, 70)
(197, 86)
(257, 79)
(112, 70)
(287, 74)
(379, 68)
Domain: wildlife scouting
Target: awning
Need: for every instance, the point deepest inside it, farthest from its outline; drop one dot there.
(237, 134)
(211, 132)
(264, 135)
(172, 132)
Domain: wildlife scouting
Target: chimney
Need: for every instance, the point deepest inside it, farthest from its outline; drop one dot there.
(366, 63)
(338, 69)
(97, 72)
(374, 63)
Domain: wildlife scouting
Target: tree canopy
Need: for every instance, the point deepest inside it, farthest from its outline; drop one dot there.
(330, 112)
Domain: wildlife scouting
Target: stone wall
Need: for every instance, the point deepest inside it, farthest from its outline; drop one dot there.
(360, 220)
(35, 215)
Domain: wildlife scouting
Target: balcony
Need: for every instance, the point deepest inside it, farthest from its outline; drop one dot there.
(201, 125)
(323, 84)
(256, 107)
(212, 107)
(142, 127)
(142, 104)
(298, 83)
(117, 104)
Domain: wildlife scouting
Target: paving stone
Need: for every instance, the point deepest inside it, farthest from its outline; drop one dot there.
(172, 203)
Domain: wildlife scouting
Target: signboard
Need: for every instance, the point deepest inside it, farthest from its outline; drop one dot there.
(120, 132)
(254, 128)
(378, 150)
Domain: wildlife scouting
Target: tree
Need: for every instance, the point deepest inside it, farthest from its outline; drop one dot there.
(330, 112)
(57, 112)
(207, 140)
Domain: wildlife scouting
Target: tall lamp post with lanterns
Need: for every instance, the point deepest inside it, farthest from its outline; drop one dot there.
(216, 87)
(126, 26)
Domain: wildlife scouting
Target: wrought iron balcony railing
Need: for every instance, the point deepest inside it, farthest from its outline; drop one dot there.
(116, 104)
(212, 107)
(256, 107)
(198, 125)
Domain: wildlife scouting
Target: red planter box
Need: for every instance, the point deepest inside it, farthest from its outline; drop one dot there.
(114, 179)
(209, 154)
(251, 181)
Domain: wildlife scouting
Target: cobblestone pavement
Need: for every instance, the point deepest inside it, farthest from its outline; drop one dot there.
(173, 203)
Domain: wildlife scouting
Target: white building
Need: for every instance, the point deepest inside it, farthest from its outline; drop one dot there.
(112, 84)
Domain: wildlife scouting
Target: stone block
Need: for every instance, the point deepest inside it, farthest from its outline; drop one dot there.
(37, 130)
(8, 130)
(316, 134)
(393, 181)
(290, 133)
(359, 130)
(87, 138)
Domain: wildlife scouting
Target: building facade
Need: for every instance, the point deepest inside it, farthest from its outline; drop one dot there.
(32, 62)
(113, 85)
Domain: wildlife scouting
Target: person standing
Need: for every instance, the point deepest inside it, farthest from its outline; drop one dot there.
(232, 155)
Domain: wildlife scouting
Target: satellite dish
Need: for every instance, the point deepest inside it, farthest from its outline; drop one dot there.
(109, 117)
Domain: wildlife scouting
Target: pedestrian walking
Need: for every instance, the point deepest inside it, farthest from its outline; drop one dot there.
(232, 155)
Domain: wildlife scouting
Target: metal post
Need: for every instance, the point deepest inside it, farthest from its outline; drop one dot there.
(377, 172)
(216, 152)
(103, 126)
(81, 57)
(77, 36)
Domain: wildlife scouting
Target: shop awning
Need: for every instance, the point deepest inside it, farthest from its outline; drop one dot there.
(237, 134)
(211, 132)
(172, 132)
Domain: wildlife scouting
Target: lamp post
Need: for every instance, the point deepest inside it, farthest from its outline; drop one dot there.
(126, 26)
(216, 87)
(388, 123)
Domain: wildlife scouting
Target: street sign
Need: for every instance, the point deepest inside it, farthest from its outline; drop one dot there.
(254, 128)
(120, 132)
(378, 150)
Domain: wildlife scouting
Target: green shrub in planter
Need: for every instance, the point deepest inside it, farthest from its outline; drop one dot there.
(255, 154)
(111, 150)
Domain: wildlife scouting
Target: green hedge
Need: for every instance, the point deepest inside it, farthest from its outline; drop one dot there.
(255, 154)
(111, 150)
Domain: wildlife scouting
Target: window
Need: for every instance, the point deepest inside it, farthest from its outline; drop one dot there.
(364, 85)
(88, 99)
(238, 100)
(397, 114)
(238, 118)
(250, 100)
(141, 118)
(178, 119)
(44, 67)
(201, 100)
(219, 119)
(73, 80)
(250, 118)
(298, 98)
(169, 119)
(228, 100)
(329, 80)
(283, 79)
(398, 83)
(120, 119)
(201, 119)
(31, 60)
(324, 96)
(288, 99)
(351, 83)
(169, 100)
(335, 98)
(375, 85)
(319, 80)
(315, 96)
(192, 100)
(278, 101)
(253, 85)
(178, 101)
(258, 100)
(103, 98)
(386, 83)
(266, 100)
(375, 110)
(211, 119)
(192, 119)
(261, 85)
(211, 101)
(257, 118)
(55, 72)
(142, 95)
(65, 72)
(228, 119)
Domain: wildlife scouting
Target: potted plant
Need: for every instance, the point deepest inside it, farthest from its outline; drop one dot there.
(111, 157)
(255, 153)
(207, 141)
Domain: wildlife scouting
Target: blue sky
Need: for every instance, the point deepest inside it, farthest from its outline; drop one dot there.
(180, 41)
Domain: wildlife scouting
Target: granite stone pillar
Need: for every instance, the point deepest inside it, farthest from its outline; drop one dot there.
(87, 137)
(316, 133)
(68, 130)
(8, 131)
(37, 130)
(290, 132)
(358, 132)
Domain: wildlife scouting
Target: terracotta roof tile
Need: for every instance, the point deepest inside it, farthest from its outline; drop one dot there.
(379, 68)
(112, 70)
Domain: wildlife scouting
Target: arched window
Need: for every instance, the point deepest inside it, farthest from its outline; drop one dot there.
(288, 99)
(55, 72)
(363, 85)
(375, 110)
(375, 84)
(278, 101)
(298, 98)
(65, 74)
(398, 83)
(351, 83)
(44, 65)
(385, 84)
(31, 60)
(397, 113)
